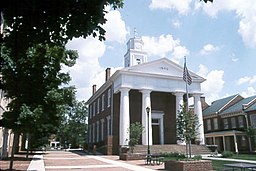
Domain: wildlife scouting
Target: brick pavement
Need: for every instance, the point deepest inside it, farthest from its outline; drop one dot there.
(72, 160)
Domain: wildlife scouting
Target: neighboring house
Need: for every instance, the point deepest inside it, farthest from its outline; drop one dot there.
(226, 121)
(125, 95)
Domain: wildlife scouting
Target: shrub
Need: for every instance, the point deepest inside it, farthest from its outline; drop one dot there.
(197, 157)
(226, 154)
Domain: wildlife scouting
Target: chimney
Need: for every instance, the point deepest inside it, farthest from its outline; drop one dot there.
(203, 102)
(107, 73)
(93, 89)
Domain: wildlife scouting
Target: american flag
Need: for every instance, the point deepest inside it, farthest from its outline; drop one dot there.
(186, 76)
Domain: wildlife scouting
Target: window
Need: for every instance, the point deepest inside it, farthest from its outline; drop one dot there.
(102, 129)
(102, 102)
(97, 131)
(215, 123)
(108, 125)
(93, 132)
(209, 127)
(233, 122)
(98, 106)
(90, 111)
(225, 123)
(253, 121)
(94, 108)
(241, 121)
(109, 97)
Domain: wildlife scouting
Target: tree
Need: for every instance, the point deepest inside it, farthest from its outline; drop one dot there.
(32, 82)
(187, 127)
(135, 132)
(74, 121)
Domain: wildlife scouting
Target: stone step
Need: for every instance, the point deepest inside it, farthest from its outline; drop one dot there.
(169, 148)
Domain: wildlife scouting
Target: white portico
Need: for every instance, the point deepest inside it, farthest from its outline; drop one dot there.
(151, 80)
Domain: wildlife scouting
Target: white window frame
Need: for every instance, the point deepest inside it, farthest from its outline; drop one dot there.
(225, 123)
(109, 97)
(98, 106)
(103, 102)
(233, 122)
(241, 121)
(209, 125)
(94, 108)
(215, 123)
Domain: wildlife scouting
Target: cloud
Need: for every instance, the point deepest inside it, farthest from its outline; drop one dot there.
(214, 83)
(115, 27)
(163, 45)
(245, 10)
(207, 49)
(176, 23)
(181, 6)
(247, 80)
(249, 92)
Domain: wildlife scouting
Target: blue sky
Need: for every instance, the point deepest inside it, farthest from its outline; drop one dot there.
(219, 40)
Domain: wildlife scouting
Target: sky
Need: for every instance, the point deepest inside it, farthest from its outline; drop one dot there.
(218, 40)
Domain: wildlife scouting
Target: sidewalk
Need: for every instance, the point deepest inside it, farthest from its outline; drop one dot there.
(68, 160)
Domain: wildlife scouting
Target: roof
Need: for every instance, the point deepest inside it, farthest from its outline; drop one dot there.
(251, 108)
(217, 105)
(238, 107)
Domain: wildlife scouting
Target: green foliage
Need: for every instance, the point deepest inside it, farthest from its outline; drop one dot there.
(197, 157)
(135, 132)
(227, 154)
(187, 125)
(32, 81)
(74, 125)
(47, 21)
(174, 155)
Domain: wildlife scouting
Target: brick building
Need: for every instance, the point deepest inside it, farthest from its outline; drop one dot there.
(126, 94)
(226, 121)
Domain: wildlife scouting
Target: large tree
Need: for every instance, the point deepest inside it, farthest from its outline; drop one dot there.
(33, 82)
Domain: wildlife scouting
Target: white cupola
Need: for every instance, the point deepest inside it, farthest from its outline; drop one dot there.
(135, 54)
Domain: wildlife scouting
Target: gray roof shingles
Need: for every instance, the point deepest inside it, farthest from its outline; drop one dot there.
(217, 105)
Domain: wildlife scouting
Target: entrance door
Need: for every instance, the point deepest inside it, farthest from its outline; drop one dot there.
(156, 131)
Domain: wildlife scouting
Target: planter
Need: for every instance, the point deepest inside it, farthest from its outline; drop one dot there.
(198, 165)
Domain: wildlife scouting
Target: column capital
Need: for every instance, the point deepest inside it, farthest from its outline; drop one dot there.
(197, 94)
(145, 91)
(124, 89)
(178, 93)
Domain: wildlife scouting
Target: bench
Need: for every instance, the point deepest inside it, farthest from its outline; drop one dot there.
(154, 159)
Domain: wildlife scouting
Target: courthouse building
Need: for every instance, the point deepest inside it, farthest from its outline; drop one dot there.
(126, 94)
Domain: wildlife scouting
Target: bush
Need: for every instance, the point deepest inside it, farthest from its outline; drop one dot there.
(227, 154)
(177, 156)
(197, 157)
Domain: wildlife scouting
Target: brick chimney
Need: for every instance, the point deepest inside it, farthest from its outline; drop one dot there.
(93, 89)
(203, 102)
(107, 73)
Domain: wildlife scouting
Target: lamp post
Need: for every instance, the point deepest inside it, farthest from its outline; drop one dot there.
(148, 110)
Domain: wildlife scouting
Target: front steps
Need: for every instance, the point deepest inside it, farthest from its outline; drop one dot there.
(172, 148)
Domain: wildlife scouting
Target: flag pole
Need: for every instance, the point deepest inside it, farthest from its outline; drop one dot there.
(186, 81)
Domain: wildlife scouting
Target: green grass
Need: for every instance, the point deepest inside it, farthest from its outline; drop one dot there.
(244, 156)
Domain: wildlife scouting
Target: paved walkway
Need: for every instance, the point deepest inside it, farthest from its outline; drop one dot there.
(73, 160)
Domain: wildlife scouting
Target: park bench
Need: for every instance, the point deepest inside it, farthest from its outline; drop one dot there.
(153, 159)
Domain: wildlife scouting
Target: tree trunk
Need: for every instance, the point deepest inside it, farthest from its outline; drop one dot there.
(13, 149)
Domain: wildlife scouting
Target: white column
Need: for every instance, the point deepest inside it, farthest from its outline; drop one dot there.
(199, 113)
(179, 103)
(235, 141)
(146, 102)
(224, 143)
(162, 130)
(124, 123)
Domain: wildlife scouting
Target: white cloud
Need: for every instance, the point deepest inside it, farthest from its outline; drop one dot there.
(181, 6)
(115, 27)
(214, 83)
(245, 10)
(247, 80)
(249, 92)
(164, 44)
(176, 23)
(207, 49)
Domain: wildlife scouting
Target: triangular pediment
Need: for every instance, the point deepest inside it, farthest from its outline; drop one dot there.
(161, 67)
